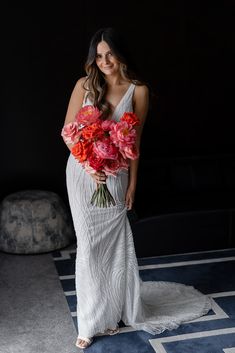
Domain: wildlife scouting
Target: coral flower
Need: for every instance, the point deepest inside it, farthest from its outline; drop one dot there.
(88, 115)
(130, 118)
(92, 131)
(70, 133)
(81, 150)
(122, 134)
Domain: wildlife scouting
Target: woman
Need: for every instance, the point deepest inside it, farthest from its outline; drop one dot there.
(108, 285)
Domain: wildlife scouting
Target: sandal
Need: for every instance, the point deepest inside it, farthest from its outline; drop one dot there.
(112, 331)
(83, 345)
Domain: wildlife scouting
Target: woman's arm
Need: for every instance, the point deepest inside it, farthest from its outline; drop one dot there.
(140, 104)
(75, 103)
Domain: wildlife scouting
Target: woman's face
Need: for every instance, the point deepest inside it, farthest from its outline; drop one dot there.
(105, 60)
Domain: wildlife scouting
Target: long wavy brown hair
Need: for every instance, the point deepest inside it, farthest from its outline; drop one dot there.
(95, 82)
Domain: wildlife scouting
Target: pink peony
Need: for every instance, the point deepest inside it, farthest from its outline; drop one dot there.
(71, 133)
(105, 149)
(107, 125)
(122, 134)
(130, 152)
(88, 115)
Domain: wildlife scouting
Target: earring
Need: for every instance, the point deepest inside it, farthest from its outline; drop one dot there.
(123, 67)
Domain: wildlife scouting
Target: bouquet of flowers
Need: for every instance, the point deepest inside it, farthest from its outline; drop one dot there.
(102, 145)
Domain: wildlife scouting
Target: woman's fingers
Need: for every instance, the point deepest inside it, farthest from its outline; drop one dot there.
(100, 177)
(130, 195)
(129, 206)
(129, 203)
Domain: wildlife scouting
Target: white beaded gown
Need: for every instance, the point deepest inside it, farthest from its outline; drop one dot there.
(108, 285)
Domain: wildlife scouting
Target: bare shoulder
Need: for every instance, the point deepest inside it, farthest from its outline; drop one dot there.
(141, 92)
(79, 86)
(76, 100)
(79, 90)
(141, 101)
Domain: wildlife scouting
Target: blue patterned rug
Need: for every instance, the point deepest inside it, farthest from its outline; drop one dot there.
(211, 272)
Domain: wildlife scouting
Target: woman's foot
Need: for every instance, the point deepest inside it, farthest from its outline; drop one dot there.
(112, 331)
(83, 342)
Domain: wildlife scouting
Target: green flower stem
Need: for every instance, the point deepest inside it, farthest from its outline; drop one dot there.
(102, 197)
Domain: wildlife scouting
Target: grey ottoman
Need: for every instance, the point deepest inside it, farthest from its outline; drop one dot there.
(34, 221)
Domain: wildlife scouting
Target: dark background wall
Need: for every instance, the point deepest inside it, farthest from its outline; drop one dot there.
(184, 49)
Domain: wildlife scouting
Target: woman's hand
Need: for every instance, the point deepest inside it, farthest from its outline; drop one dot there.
(99, 177)
(130, 196)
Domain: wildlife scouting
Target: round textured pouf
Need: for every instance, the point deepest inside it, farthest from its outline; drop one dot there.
(34, 221)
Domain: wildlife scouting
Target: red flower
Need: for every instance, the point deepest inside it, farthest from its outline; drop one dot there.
(111, 167)
(95, 161)
(93, 131)
(130, 118)
(81, 150)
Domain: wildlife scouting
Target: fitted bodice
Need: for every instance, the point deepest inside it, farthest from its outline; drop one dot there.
(124, 105)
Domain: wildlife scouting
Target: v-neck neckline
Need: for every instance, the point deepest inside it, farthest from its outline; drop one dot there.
(114, 111)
